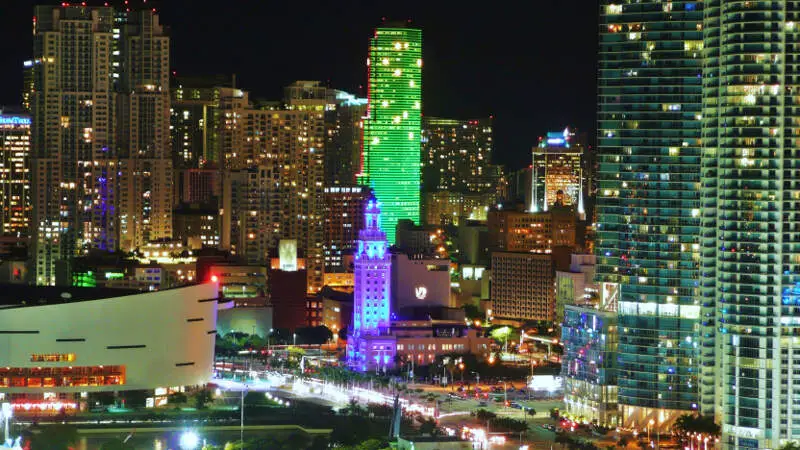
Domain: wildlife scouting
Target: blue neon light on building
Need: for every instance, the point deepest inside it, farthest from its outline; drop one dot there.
(371, 295)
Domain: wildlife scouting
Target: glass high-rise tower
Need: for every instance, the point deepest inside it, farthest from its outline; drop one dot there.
(751, 169)
(391, 156)
(649, 217)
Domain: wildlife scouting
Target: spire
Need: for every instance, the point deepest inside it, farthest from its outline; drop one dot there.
(372, 214)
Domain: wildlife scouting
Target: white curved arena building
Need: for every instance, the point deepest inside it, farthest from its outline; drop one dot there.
(60, 345)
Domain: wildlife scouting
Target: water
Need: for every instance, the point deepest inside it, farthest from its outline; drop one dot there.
(169, 440)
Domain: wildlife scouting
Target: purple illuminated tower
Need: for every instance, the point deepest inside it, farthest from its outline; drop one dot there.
(369, 344)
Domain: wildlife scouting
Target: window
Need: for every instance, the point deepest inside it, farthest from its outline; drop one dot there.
(62, 376)
(53, 357)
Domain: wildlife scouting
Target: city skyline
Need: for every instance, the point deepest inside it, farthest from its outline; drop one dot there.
(455, 86)
(653, 252)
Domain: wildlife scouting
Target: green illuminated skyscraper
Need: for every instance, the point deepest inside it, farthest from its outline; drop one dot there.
(391, 158)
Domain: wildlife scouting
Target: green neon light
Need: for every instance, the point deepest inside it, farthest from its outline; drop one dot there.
(391, 164)
(84, 279)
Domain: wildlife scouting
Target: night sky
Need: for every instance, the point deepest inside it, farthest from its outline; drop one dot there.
(531, 64)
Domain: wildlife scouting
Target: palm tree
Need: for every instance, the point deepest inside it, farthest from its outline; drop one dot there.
(688, 426)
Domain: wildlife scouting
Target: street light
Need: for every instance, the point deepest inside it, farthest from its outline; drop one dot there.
(189, 440)
(649, 425)
(241, 419)
(294, 338)
(6, 414)
(271, 330)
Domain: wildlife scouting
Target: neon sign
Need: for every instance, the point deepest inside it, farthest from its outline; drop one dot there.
(46, 406)
(556, 138)
(15, 120)
(421, 292)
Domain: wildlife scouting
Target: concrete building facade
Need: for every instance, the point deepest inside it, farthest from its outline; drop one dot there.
(15, 179)
(523, 286)
(103, 341)
(273, 185)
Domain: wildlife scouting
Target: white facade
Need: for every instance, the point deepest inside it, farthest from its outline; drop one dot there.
(158, 339)
(420, 282)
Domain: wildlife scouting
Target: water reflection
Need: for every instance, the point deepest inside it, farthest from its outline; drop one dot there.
(168, 440)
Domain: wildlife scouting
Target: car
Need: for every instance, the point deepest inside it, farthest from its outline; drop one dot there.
(483, 404)
(515, 405)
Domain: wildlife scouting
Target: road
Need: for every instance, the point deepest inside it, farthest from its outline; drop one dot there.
(451, 412)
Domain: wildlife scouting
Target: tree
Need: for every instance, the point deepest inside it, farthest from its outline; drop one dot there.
(177, 397)
(483, 415)
(379, 410)
(793, 445)
(563, 439)
(688, 426)
(472, 312)
(371, 444)
(314, 335)
(501, 335)
(202, 397)
(237, 339)
(428, 426)
(353, 409)
(530, 412)
(255, 341)
(507, 424)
